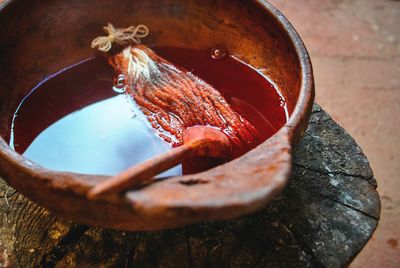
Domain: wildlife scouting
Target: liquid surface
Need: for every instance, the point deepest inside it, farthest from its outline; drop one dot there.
(75, 121)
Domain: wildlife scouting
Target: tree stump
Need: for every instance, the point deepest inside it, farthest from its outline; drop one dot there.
(323, 219)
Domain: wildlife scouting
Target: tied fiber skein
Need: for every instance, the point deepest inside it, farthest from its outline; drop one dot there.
(174, 99)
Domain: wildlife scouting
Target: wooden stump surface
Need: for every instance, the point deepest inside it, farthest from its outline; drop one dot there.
(323, 219)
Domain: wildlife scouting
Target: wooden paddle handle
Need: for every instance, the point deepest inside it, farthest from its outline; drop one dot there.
(139, 173)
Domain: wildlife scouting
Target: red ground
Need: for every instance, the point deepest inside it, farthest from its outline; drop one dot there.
(355, 49)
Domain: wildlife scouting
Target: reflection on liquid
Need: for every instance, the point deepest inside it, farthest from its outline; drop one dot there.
(80, 120)
(103, 138)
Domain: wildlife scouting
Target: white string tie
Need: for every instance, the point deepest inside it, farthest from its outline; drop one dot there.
(120, 36)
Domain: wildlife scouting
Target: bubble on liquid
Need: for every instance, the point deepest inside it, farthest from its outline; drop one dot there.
(218, 53)
(120, 86)
(282, 102)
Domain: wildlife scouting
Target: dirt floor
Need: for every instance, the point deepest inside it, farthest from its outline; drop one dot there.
(355, 49)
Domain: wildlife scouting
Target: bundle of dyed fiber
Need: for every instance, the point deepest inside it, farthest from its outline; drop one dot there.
(172, 98)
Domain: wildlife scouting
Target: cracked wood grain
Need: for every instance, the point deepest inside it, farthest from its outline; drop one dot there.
(323, 219)
(333, 173)
(60, 249)
(353, 208)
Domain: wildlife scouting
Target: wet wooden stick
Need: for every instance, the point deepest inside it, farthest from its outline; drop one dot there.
(198, 141)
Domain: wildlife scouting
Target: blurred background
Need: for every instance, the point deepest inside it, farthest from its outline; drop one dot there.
(355, 50)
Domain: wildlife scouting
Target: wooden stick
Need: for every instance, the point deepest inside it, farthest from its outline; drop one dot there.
(198, 141)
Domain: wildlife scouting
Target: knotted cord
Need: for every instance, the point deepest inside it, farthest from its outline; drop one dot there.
(120, 36)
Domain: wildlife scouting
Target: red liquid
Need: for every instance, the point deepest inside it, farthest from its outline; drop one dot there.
(74, 121)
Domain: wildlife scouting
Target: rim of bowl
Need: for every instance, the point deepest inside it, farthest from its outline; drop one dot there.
(304, 99)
